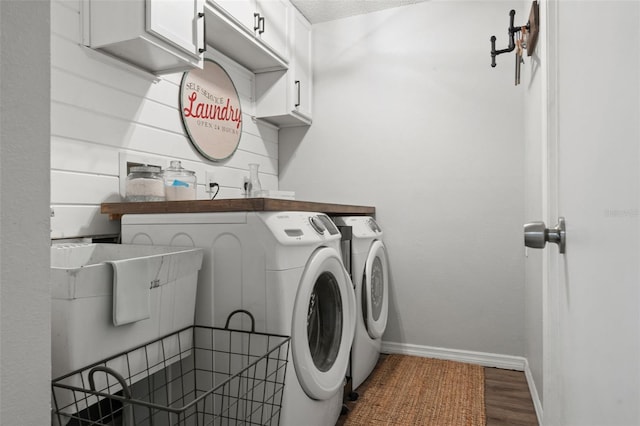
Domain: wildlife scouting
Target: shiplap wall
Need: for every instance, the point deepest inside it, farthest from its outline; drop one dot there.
(103, 114)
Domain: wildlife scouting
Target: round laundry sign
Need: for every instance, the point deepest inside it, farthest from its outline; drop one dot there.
(210, 110)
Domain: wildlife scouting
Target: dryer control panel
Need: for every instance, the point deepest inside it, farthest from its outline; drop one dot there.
(373, 225)
(362, 226)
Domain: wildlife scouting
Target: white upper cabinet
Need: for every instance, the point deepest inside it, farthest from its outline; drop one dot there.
(302, 76)
(158, 36)
(271, 19)
(242, 10)
(284, 98)
(266, 19)
(254, 33)
(174, 22)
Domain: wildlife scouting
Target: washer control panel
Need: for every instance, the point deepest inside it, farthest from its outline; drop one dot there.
(294, 232)
(300, 227)
(328, 224)
(317, 224)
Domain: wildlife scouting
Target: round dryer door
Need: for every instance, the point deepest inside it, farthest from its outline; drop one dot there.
(323, 325)
(375, 287)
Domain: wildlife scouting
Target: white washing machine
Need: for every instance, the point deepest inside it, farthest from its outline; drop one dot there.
(370, 275)
(286, 269)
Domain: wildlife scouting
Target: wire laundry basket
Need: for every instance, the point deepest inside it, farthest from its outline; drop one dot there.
(195, 376)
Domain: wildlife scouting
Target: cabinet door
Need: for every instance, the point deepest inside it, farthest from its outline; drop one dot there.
(301, 63)
(177, 22)
(273, 28)
(241, 10)
(284, 98)
(157, 36)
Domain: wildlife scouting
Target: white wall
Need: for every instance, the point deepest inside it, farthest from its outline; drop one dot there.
(410, 117)
(101, 111)
(25, 364)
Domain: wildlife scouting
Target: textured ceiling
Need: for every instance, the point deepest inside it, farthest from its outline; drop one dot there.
(328, 10)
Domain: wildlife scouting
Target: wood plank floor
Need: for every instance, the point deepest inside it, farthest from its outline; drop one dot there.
(507, 399)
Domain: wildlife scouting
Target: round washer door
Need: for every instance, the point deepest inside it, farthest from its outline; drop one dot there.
(376, 288)
(323, 325)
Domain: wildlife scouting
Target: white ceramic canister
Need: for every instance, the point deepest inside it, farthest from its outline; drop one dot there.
(179, 183)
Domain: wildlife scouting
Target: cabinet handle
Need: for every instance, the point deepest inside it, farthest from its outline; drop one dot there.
(258, 23)
(297, 83)
(204, 33)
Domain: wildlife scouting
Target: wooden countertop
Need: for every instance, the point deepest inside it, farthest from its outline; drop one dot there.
(116, 210)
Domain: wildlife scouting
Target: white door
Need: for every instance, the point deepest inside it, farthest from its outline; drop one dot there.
(323, 325)
(592, 323)
(375, 289)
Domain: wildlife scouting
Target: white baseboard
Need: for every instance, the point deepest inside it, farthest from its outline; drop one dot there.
(537, 404)
(485, 359)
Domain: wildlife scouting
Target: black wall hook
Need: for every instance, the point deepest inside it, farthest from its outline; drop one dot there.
(512, 44)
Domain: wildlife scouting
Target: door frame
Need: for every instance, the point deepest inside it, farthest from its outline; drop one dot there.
(552, 385)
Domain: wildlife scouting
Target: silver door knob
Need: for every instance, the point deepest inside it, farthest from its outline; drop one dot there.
(536, 235)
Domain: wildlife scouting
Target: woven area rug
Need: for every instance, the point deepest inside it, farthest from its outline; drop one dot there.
(410, 390)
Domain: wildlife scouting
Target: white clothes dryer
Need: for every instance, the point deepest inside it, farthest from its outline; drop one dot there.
(370, 275)
(286, 269)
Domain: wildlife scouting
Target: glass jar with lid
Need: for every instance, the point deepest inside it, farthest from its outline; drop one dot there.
(179, 183)
(144, 183)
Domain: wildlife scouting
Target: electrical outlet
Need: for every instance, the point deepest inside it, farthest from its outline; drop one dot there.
(209, 181)
(246, 186)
